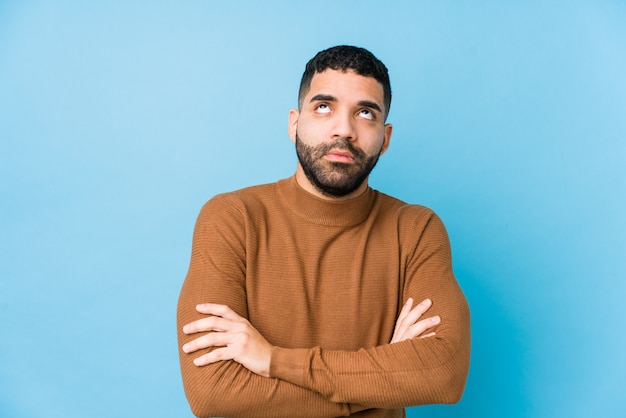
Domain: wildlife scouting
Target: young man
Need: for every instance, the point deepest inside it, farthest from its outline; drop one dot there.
(299, 300)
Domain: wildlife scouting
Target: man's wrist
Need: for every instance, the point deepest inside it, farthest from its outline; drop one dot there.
(289, 363)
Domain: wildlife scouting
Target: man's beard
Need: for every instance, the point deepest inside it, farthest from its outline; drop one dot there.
(332, 178)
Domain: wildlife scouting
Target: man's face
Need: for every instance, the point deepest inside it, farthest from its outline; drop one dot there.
(339, 133)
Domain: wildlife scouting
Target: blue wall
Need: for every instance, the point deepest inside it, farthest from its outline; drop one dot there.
(119, 119)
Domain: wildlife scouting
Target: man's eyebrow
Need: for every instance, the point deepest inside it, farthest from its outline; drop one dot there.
(323, 98)
(371, 105)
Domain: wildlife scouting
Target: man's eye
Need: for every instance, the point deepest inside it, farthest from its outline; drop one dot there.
(366, 114)
(322, 108)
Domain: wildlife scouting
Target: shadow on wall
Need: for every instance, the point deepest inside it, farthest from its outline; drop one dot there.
(495, 383)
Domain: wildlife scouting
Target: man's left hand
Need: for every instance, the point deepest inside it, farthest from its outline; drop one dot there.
(231, 337)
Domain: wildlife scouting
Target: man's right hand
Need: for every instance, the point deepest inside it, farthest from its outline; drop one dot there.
(231, 336)
(408, 324)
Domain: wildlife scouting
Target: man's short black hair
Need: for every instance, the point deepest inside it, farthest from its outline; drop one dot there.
(344, 58)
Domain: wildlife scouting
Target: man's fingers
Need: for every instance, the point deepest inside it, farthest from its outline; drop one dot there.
(410, 318)
(417, 312)
(220, 319)
(230, 337)
(409, 324)
(211, 323)
(212, 339)
(214, 356)
(422, 326)
(406, 309)
(218, 310)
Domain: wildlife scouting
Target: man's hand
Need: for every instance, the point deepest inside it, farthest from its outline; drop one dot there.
(231, 337)
(408, 326)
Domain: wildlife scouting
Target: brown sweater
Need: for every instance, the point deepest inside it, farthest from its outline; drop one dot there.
(323, 282)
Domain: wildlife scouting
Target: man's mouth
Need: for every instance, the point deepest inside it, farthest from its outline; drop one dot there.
(339, 156)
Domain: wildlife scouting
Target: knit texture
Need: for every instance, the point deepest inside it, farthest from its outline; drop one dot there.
(324, 281)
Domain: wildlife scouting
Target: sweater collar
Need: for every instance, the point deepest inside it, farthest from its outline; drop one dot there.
(303, 204)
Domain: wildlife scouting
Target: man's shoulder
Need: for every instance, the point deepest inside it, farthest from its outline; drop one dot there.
(257, 191)
(247, 197)
(411, 220)
(403, 208)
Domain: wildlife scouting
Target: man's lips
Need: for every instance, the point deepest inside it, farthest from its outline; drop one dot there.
(340, 156)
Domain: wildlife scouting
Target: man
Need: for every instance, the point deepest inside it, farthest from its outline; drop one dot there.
(299, 300)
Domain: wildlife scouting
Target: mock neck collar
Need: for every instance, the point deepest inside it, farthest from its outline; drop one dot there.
(349, 212)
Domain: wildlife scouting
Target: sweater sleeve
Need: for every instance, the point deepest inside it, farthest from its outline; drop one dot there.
(413, 372)
(217, 275)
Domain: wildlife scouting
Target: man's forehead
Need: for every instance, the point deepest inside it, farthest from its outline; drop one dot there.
(330, 81)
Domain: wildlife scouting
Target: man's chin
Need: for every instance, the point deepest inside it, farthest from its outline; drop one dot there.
(337, 188)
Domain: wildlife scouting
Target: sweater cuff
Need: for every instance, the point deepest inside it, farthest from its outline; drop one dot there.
(288, 364)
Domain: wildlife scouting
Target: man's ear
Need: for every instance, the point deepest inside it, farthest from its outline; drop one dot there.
(386, 138)
(293, 124)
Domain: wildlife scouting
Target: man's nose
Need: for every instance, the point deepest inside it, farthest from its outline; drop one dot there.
(344, 127)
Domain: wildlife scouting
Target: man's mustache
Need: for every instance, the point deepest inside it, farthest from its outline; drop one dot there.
(340, 144)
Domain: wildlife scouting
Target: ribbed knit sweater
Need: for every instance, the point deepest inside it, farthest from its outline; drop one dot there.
(324, 281)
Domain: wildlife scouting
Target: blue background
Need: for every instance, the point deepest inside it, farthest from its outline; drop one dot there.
(119, 119)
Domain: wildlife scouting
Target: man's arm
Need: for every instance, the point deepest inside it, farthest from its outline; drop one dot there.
(414, 371)
(217, 274)
(232, 337)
